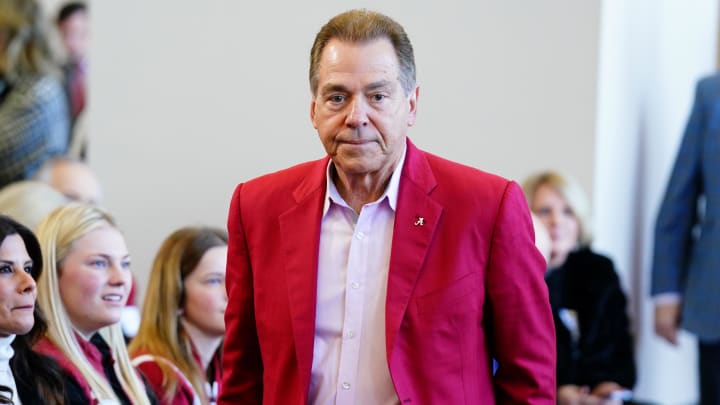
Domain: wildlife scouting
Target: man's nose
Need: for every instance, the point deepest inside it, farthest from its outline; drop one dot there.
(357, 116)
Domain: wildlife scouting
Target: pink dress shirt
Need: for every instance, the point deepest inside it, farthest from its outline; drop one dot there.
(349, 357)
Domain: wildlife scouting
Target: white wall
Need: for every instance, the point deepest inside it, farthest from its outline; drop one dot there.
(652, 53)
(189, 98)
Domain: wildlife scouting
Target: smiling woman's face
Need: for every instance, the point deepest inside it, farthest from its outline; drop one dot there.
(17, 288)
(94, 280)
(558, 216)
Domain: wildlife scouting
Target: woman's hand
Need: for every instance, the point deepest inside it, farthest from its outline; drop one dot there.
(576, 395)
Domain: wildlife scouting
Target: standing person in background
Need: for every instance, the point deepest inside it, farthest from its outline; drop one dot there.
(73, 23)
(381, 274)
(178, 345)
(74, 27)
(34, 124)
(595, 362)
(25, 376)
(686, 260)
(83, 290)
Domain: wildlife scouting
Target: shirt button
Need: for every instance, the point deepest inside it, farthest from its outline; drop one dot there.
(355, 285)
(346, 385)
(350, 334)
(360, 235)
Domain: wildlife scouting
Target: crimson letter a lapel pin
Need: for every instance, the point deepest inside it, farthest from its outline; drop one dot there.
(419, 221)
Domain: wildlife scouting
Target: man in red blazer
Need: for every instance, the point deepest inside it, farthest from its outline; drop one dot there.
(381, 274)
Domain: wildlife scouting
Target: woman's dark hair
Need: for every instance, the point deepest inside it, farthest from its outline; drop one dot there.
(9, 226)
(36, 375)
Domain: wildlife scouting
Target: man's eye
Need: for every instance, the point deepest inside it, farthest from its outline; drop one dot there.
(337, 98)
(379, 97)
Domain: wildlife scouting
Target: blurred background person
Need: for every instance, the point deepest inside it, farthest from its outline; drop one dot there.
(34, 124)
(73, 24)
(685, 273)
(30, 201)
(74, 27)
(73, 178)
(594, 346)
(25, 376)
(83, 290)
(177, 347)
(542, 237)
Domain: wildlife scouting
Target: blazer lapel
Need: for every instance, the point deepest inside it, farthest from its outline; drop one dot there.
(416, 221)
(300, 238)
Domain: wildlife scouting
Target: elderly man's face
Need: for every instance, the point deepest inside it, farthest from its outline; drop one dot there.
(360, 110)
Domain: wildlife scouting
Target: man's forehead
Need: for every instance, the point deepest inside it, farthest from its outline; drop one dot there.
(378, 51)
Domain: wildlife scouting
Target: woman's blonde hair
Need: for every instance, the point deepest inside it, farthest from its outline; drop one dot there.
(570, 190)
(161, 334)
(28, 48)
(56, 234)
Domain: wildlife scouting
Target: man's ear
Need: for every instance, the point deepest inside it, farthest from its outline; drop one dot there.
(312, 112)
(412, 105)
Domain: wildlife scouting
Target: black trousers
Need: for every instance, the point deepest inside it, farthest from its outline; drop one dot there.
(709, 357)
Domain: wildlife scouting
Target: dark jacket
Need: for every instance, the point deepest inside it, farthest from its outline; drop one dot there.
(586, 288)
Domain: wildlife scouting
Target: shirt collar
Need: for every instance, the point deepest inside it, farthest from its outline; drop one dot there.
(391, 192)
(6, 350)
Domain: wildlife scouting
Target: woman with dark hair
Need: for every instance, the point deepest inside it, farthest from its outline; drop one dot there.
(24, 374)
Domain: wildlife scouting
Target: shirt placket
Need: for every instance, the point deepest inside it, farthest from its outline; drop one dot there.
(354, 308)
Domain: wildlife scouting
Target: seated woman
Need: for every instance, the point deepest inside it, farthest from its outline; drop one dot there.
(34, 378)
(83, 290)
(594, 346)
(177, 347)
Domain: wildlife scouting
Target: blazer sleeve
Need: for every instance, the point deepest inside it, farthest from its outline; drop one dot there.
(241, 360)
(521, 325)
(678, 211)
(607, 346)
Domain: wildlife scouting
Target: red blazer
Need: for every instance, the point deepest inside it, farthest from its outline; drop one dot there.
(464, 288)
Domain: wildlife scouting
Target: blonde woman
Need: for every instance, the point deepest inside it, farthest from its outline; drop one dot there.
(83, 289)
(595, 361)
(183, 318)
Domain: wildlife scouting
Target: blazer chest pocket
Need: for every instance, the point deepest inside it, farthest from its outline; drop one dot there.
(459, 296)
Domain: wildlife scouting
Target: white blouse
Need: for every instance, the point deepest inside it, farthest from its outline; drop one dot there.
(6, 375)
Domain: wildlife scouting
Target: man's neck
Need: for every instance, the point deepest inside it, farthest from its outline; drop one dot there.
(358, 190)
